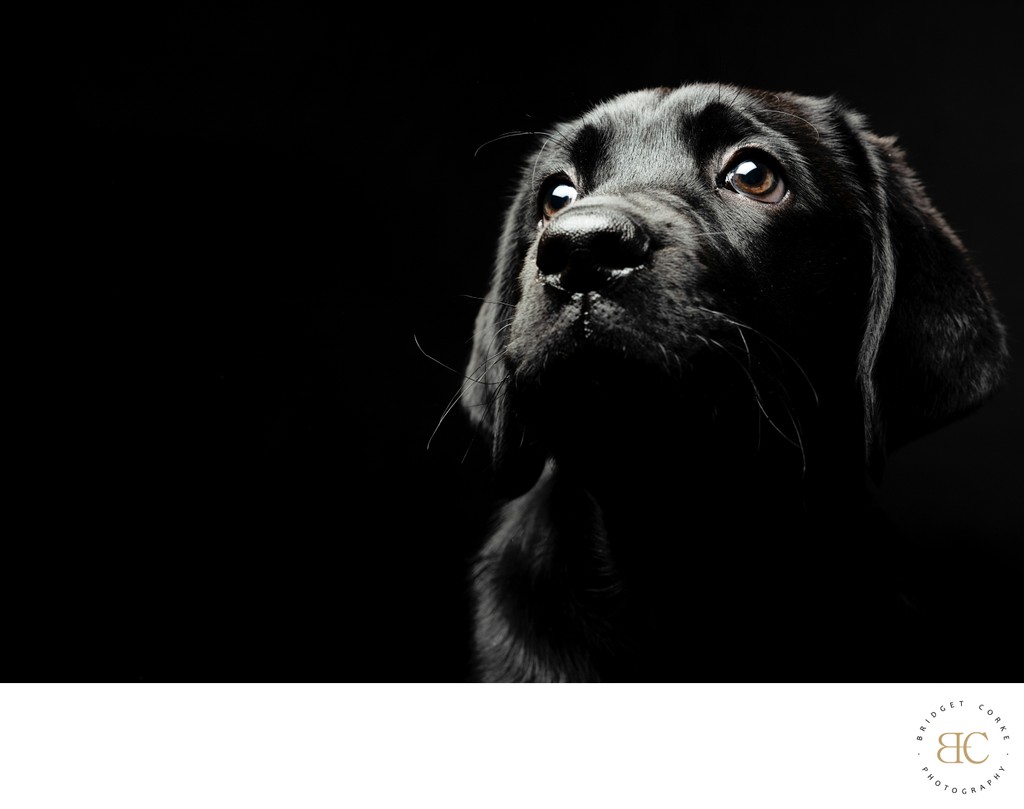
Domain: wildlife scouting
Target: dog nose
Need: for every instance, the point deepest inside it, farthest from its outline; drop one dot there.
(583, 249)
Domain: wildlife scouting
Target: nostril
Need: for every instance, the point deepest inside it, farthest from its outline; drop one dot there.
(583, 250)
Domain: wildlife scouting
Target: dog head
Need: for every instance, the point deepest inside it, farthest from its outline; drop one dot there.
(732, 266)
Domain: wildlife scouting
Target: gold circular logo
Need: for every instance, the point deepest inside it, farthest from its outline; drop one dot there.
(963, 748)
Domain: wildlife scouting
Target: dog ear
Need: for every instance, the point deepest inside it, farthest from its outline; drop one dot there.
(934, 346)
(516, 463)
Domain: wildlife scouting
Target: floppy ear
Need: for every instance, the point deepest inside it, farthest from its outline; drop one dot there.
(517, 464)
(934, 347)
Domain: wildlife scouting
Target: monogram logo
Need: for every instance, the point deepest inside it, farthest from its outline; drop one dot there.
(960, 747)
(958, 733)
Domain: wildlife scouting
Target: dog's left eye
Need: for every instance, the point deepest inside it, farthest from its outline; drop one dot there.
(756, 179)
(557, 195)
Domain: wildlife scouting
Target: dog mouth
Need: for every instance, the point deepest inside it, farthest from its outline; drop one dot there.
(598, 375)
(595, 362)
(583, 335)
(628, 324)
(594, 314)
(604, 384)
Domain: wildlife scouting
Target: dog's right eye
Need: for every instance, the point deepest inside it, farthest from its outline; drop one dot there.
(557, 194)
(756, 178)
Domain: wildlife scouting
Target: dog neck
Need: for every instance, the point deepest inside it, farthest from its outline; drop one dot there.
(582, 573)
(631, 540)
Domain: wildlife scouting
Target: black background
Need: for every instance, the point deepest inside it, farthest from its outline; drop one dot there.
(278, 216)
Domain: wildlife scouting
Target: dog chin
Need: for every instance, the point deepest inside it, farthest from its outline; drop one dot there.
(592, 394)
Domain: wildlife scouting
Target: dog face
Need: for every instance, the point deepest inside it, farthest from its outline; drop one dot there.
(721, 267)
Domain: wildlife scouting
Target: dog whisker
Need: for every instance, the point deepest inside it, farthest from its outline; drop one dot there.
(507, 324)
(416, 340)
(773, 345)
(672, 361)
(753, 386)
(759, 398)
(500, 326)
(817, 134)
(464, 387)
(549, 137)
(506, 136)
(488, 404)
(746, 346)
(799, 441)
(558, 137)
(664, 354)
(536, 160)
(492, 301)
(471, 379)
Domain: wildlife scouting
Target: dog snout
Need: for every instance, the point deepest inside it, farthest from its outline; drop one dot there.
(583, 249)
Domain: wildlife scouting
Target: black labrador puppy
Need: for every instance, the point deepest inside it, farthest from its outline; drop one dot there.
(714, 311)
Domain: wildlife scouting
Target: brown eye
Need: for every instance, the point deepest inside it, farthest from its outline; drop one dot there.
(756, 179)
(558, 194)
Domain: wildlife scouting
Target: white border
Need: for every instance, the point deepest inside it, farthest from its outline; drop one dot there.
(306, 746)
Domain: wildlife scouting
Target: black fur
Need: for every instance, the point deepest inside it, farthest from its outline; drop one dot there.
(688, 390)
